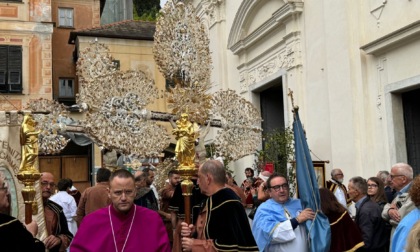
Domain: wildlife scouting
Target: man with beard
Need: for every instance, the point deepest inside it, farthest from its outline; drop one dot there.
(166, 195)
(249, 174)
(177, 208)
(335, 185)
(145, 196)
(59, 236)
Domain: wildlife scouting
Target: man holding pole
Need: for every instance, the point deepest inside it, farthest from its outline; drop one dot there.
(59, 236)
(228, 227)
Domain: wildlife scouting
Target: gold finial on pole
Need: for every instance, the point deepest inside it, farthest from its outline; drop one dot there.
(28, 173)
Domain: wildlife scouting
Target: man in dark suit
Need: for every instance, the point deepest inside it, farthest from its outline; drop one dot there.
(14, 236)
(368, 216)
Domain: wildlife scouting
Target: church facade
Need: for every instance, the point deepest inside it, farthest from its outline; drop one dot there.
(352, 66)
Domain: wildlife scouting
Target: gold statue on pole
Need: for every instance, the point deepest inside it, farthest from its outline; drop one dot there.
(185, 134)
(28, 173)
(29, 142)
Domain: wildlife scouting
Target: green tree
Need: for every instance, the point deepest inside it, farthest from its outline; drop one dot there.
(146, 10)
(278, 149)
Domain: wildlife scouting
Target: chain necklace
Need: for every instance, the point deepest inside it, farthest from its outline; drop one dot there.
(112, 228)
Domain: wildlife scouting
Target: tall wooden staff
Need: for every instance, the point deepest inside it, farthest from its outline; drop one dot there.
(28, 173)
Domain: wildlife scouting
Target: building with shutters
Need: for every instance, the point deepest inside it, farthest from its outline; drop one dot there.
(25, 52)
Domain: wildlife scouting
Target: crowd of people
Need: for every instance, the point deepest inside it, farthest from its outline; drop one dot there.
(123, 212)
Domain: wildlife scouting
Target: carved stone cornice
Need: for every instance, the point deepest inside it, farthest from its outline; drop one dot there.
(394, 39)
(237, 42)
(286, 58)
(210, 6)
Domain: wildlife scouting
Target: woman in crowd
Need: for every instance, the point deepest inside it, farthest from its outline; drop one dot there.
(345, 235)
(376, 191)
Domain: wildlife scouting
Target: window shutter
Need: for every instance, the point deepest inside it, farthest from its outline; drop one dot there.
(3, 68)
(15, 69)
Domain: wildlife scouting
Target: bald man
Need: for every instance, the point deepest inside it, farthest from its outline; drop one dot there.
(336, 186)
(59, 236)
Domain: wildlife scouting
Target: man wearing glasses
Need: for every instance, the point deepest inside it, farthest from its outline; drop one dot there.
(121, 226)
(277, 223)
(59, 236)
(400, 179)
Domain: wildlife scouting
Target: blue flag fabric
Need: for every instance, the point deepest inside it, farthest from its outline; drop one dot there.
(319, 231)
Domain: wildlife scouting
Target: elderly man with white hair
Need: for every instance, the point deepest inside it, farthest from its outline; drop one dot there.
(336, 186)
(401, 177)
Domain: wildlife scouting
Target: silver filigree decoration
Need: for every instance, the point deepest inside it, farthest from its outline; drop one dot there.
(95, 62)
(117, 117)
(50, 125)
(241, 124)
(181, 46)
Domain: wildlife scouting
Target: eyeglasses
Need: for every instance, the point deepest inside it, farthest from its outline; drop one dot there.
(372, 185)
(277, 188)
(119, 193)
(46, 183)
(394, 176)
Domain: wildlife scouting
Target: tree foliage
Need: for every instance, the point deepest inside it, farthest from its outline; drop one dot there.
(146, 10)
(277, 149)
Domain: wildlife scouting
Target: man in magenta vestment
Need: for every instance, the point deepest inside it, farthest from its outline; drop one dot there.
(122, 226)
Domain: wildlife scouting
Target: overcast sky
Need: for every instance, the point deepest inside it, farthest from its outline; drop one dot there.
(162, 2)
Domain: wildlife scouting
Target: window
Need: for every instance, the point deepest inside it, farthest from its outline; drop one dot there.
(65, 17)
(10, 69)
(66, 88)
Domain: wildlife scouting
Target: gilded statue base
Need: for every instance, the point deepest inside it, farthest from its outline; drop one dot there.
(186, 172)
(28, 178)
